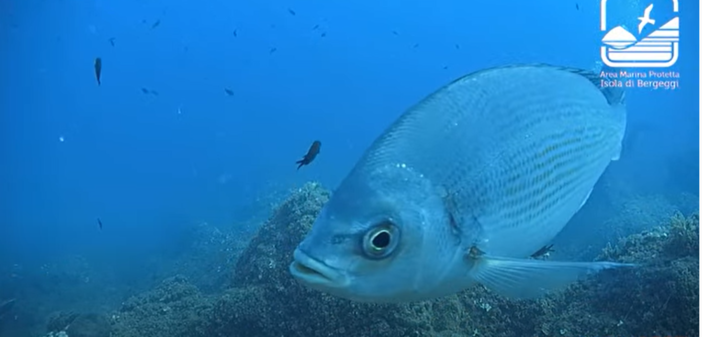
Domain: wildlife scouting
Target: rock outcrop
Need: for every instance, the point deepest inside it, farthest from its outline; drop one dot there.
(660, 297)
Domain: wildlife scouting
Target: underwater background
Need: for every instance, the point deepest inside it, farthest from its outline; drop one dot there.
(166, 201)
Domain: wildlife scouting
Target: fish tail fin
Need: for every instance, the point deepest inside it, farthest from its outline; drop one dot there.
(523, 279)
(300, 163)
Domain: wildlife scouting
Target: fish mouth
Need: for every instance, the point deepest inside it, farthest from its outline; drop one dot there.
(316, 273)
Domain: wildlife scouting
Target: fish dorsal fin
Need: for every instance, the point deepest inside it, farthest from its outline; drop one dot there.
(614, 95)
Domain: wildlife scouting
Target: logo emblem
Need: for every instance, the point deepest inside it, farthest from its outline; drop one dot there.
(657, 47)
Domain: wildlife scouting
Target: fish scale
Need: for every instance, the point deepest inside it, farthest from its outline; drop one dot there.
(529, 191)
(534, 186)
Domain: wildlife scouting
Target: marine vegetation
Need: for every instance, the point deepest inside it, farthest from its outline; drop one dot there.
(658, 298)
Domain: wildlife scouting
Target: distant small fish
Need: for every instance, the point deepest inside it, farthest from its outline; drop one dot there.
(577, 7)
(415, 45)
(445, 67)
(311, 154)
(156, 24)
(6, 305)
(323, 34)
(229, 91)
(149, 92)
(315, 27)
(98, 69)
(292, 12)
(395, 33)
(273, 50)
(99, 223)
(112, 41)
(235, 33)
(458, 46)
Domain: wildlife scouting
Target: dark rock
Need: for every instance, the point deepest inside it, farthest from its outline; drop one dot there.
(89, 325)
(658, 297)
(174, 309)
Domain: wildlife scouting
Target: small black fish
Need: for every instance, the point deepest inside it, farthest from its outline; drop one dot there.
(234, 33)
(112, 41)
(577, 7)
(396, 33)
(156, 24)
(272, 50)
(458, 46)
(315, 27)
(99, 223)
(324, 34)
(445, 67)
(229, 91)
(149, 92)
(311, 154)
(543, 252)
(292, 12)
(98, 69)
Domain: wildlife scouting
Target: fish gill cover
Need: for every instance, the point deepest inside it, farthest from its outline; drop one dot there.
(150, 183)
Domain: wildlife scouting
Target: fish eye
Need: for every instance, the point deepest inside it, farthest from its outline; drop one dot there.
(380, 240)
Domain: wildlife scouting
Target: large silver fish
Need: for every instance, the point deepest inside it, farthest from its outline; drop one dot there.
(465, 186)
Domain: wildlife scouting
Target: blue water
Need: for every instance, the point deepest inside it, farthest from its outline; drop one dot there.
(150, 165)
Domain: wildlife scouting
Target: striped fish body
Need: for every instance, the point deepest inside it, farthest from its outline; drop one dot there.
(465, 186)
(517, 151)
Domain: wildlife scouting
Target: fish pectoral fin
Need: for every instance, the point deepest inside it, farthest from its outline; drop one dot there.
(617, 153)
(525, 279)
(585, 200)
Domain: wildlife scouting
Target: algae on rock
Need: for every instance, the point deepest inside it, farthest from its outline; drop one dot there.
(658, 297)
